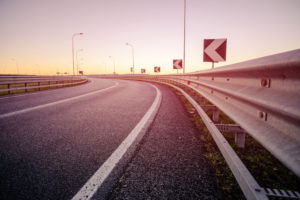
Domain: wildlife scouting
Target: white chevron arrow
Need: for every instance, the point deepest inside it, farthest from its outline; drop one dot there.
(210, 50)
(176, 64)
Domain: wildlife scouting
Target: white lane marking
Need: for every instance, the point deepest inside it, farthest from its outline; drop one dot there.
(55, 103)
(95, 182)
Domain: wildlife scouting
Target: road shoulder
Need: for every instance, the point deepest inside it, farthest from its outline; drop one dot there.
(169, 162)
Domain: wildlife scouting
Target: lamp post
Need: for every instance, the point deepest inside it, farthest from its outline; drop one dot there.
(77, 58)
(184, 37)
(81, 64)
(114, 64)
(73, 48)
(132, 56)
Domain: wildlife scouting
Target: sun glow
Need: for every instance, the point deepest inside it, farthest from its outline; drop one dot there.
(34, 40)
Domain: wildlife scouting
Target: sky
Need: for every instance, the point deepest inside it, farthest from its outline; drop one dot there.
(36, 35)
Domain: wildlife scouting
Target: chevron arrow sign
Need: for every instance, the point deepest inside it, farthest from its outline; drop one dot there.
(214, 50)
(177, 64)
(156, 69)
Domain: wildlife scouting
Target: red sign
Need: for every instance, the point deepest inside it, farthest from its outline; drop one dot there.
(156, 69)
(214, 50)
(131, 69)
(143, 71)
(81, 72)
(177, 64)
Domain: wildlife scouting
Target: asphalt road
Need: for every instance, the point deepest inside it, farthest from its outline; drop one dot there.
(52, 142)
(169, 162)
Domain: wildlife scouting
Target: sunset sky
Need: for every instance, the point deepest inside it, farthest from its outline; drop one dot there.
(36, 35)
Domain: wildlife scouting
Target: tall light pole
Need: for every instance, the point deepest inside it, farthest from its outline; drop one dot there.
(77, 58)
(184, 37)
(114, 64)
(73, 48)
(80, 64)
(132, 55)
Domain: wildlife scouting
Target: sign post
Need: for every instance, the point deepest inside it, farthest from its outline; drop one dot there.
(214, 50)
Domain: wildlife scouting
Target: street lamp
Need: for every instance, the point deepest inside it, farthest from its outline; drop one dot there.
(80, 64)
(73, 48)
(77, 58)
(114, 64)
(184, 36)
(132, 55)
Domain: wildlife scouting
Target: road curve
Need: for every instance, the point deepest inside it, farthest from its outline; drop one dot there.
(169, 162)
(52, 142)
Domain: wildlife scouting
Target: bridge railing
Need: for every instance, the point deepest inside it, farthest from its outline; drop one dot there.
(14, 83)
(262, 97)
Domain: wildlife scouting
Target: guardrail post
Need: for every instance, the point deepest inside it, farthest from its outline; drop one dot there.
(239, 133)
(39, 84)
(26, 90)
(239, 139)
(8, 87)
(202, 101)
(215, 110)
(216, 114)
(193, 92)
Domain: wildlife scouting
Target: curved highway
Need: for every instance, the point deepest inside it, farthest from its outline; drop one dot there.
(52, 142)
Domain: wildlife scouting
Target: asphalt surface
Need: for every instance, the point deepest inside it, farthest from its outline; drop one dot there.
(169, 162)
(50, 152)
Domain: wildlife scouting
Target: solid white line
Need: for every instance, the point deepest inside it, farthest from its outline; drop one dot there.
(95, 182)
(55, 103)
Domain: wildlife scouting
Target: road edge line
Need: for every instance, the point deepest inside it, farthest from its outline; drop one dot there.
(99, 184)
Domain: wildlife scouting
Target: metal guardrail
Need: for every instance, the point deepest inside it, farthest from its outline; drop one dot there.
(11, 84)
(6, 79)
(263, 97)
